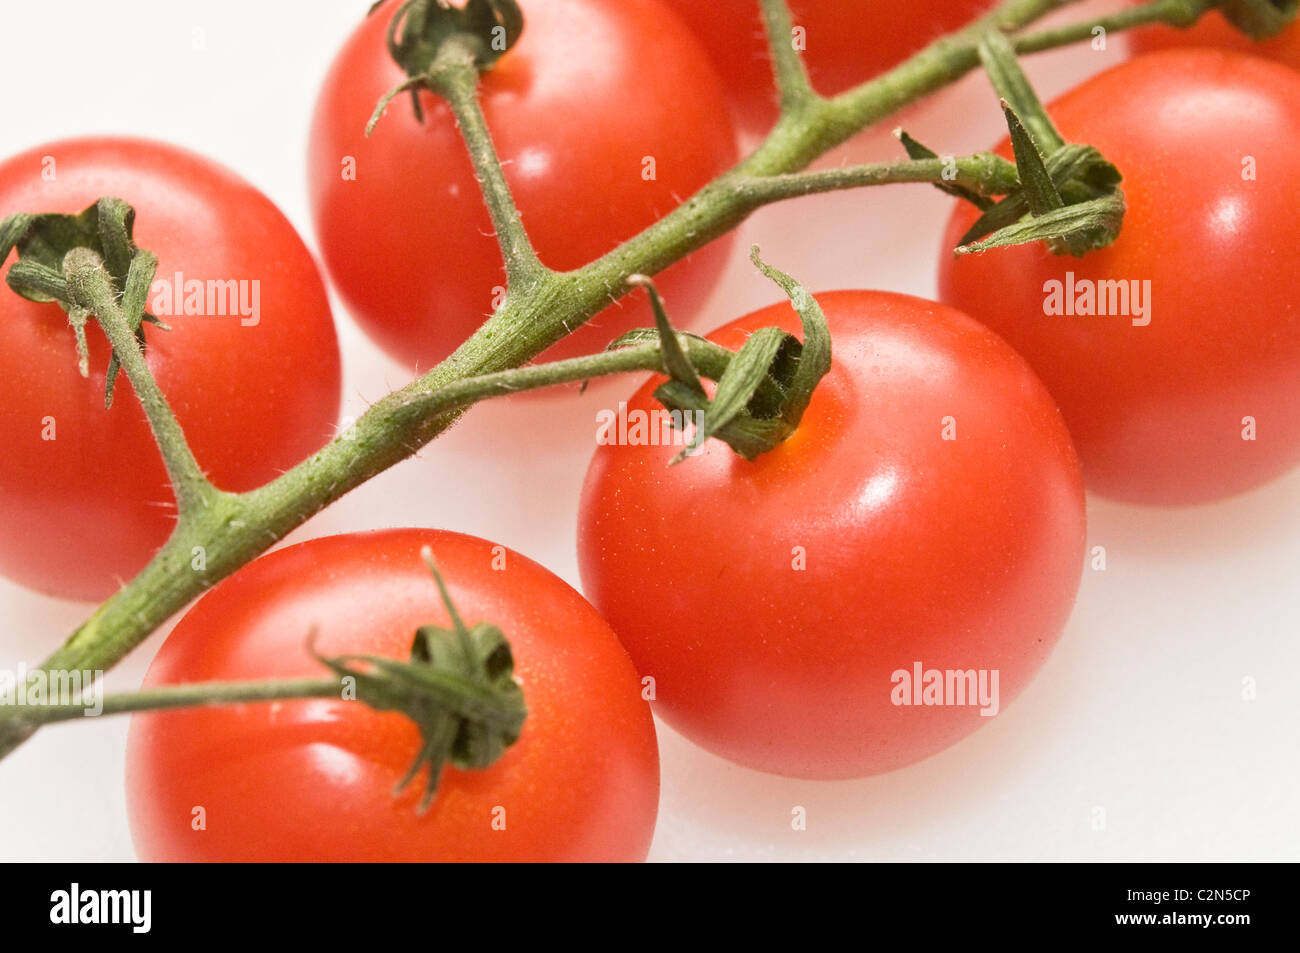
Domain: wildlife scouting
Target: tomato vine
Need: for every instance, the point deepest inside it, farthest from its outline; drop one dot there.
(543, 305)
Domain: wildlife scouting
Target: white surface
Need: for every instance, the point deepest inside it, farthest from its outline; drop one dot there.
(1139, 712)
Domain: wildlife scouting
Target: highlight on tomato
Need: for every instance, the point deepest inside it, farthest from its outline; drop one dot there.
(606, 115)
(315, 780)
(872, 590)
(1175, 352)
(249, 362)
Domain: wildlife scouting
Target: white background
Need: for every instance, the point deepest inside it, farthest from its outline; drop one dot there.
(1139, 712)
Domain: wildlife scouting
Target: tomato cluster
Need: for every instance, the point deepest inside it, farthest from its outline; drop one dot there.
(859, 597)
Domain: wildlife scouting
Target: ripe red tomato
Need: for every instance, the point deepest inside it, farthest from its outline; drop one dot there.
(253, 376)
(1209, 145)
(847, 42)
(1213, 30)
(606, 114)
(314, 780)
(773, 601)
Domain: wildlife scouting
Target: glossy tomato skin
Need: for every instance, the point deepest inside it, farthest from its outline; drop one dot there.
(314, 780)
(847, 42)
(84, 497)
(593, 93)
(959, 554)
(1158, 411)
(1213, 30)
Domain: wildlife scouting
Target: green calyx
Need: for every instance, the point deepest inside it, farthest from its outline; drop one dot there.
(762, 395)
(423, 31)
(1260, 19)
(1069, 194)
(47, 243)
(1071, 200)
(458, 687)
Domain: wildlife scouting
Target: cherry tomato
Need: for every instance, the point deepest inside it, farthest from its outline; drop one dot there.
(928, 511)
(606, 114)
(251, 373)
(1187, 392)
(845, 42)
(314, 780)
(1213, 30)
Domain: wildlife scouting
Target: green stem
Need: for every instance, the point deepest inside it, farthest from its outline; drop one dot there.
(796, 90)
(1172, 12)
(940, 64)
(454, 76)
(90, 286)
(986, 174)
(708, 358)
(28, 717)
